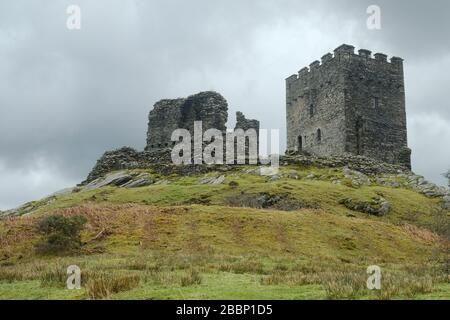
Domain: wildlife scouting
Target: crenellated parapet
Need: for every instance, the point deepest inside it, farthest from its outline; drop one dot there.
(349, 102)
(345, 54)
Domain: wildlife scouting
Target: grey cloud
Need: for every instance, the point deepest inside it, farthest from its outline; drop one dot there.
(67, 96)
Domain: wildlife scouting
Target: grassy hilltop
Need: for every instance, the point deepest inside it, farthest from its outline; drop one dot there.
(306, 233)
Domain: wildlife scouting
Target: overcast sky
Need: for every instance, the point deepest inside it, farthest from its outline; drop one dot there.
(66, 96)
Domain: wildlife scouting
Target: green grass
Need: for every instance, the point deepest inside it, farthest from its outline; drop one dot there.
(184, 241)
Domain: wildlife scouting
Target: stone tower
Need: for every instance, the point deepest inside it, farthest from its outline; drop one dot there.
(349, 103)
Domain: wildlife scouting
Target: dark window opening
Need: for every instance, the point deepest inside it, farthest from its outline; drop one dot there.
(319, 135)
(311, 110)
(376, 102)
(359, 132)
(300, 143)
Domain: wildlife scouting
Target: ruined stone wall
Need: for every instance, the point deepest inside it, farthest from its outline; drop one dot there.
(356, 101)
(162, 121)
(245, 124)
(167, 115)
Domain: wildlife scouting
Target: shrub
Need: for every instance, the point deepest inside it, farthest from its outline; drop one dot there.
(62, 234)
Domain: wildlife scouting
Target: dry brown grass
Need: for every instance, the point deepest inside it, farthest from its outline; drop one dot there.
(242, 266)
(291, 279)
(423, 234)
(190, 278)
(102, 286)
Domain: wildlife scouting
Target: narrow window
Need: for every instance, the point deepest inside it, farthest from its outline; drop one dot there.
(311, 111)
(300, 143)
(319, 135)
(376, 102)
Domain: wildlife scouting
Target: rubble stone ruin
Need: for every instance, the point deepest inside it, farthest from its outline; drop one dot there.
(349, 103)
(209, 107)
(171, 114)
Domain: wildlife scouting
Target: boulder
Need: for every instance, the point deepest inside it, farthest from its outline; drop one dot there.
(377, 206)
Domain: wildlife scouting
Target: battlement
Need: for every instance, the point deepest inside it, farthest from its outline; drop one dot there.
(344, 53)
(349, 103)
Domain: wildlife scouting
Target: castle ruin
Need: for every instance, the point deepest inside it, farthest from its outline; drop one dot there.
(209, 107)
(349, 103)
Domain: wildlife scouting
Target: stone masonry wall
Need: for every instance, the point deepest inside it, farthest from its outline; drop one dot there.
(315, 109)
(245, 124)
(167, 115)
(349, 103)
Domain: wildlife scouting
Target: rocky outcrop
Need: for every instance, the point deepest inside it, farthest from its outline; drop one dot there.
(377, 206)
(212, 180)
(127, 158)
(120, 179)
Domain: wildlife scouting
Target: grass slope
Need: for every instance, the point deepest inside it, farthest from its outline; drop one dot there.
(184, 240)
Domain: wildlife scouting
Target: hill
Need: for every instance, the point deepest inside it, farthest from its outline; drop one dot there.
(226, 232)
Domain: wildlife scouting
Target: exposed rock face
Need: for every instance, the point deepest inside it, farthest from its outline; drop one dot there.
(377, 206)
(167, 115)
(349, 103)
(120, 179)
(159, 161)
(127, 158)
(212, 180)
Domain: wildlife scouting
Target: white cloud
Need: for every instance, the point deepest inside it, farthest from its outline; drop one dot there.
(69, 96)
